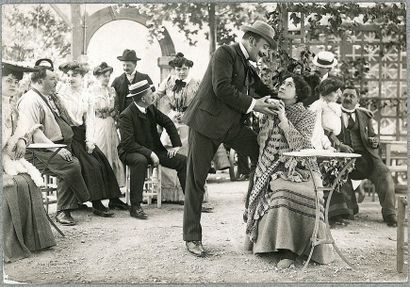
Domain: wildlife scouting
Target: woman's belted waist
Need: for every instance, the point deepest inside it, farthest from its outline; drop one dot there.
(103, 114)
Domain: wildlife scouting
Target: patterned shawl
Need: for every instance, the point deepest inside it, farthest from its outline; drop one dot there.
(274, 139)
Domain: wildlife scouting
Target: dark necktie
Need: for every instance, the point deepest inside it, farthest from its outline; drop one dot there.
(179, 85)
(350, 121)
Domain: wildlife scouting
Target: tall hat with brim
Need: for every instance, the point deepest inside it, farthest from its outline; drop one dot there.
(138, 89)
(15, 70)
(263, 29)
(128, 55)
(324, 59)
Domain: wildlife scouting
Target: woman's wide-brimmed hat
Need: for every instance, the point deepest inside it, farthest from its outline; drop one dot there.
(139, 88)
(15, 70)
(324, 59)
(128, 55)
(74, 66)
(263, 29)
(102, 69)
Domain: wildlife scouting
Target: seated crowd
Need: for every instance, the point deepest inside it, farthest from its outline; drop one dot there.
(105, 128)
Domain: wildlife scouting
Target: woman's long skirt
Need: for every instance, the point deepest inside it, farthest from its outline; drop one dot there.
(107, 139)
(95, 168)
(25, 225)
(289, 222)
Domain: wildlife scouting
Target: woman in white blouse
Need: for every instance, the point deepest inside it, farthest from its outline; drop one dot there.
(95, 168)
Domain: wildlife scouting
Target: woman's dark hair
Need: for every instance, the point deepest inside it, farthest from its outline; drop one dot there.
(180, 60)
(328, 86)
(302, 88)
(76, 67)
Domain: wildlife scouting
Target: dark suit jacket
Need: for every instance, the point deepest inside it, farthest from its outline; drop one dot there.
(363, 117)
(121, 83)
(222, 97)
(133, 133)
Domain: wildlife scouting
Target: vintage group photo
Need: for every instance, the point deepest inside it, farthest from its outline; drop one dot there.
(210, 143)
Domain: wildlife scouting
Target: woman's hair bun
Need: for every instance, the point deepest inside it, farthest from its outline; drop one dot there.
(179, 54)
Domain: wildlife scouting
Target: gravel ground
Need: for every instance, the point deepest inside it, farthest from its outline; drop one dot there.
(126, 250)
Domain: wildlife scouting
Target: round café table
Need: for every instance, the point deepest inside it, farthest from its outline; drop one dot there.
(346, 161)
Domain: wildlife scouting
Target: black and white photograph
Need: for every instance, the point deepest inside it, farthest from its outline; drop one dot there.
(204, 143)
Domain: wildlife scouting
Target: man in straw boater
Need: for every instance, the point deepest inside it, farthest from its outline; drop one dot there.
(324, 62)
(140, 142)
(130, 76)
(230, 89)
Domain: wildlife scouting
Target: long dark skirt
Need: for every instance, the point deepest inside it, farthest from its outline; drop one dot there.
(25, 225)
(95, 168)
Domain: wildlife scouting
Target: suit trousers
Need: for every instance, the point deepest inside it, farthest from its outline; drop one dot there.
(200, 154)
(368, 167)
(138, 165)
(71, 188)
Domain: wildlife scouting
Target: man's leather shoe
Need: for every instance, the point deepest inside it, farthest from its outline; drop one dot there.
(196, 248)
(102, 213)
(137, 212)
(64, 217)
(391, 220)
(118, 204)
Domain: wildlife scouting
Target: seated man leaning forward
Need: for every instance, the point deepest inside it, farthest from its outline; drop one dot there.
(140, 143)
(37, 106)
(358, 136)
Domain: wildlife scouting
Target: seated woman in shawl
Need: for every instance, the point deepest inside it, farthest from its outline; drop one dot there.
(25, 225)
(281, 210)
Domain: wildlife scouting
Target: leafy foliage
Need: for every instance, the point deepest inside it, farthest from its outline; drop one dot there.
(28, 35)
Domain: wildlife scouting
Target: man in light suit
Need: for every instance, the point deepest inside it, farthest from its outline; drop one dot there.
(230, 89)
(358, 136)
(130, 76)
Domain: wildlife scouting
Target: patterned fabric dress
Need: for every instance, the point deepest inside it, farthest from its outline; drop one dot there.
(105, 131)
(281, 212)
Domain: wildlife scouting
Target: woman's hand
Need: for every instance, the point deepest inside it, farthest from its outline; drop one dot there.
(90, 147)
(173, 151)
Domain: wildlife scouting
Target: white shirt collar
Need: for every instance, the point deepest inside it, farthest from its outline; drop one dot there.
(243, 49)
(325, 76)
(131, 76)
(142, 109)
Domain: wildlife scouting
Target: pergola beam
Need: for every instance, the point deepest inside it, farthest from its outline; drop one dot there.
(62, 15)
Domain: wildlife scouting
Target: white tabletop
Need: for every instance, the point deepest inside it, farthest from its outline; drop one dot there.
(321, 153)
(45, 145)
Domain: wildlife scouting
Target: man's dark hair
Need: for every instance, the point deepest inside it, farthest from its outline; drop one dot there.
(38, 75)
(352, 88)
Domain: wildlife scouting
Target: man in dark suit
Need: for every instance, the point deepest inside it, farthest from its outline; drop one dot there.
(140, 143)
(358, 136)
(230, 89)
(130, 76)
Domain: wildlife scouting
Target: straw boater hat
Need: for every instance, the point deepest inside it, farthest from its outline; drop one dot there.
(324, 59)
(263, 29)
(128, 55)
(138, 89)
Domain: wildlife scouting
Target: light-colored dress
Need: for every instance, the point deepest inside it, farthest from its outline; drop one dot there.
(173, 104)
(25, 225)
(105, 131)
(328, 117)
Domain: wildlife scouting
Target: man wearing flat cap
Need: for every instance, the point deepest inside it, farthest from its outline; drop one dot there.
(38, 106)
(140, 143)
(130, 76)
(230, 89)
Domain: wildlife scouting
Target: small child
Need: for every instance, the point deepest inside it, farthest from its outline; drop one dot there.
(328, 114)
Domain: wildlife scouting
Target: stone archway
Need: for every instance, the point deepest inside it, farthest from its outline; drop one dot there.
(95, 21)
